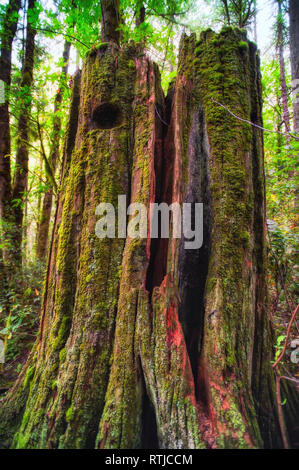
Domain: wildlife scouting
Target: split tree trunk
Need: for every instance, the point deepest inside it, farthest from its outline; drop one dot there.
(44, 225)
(142, 342)
(21, 172)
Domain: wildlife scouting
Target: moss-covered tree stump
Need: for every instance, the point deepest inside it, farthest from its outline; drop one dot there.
(144, 343)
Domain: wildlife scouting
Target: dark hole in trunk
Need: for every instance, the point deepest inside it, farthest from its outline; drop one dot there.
(194, 264)
(164, 156)
(149, 432)
(106, 116)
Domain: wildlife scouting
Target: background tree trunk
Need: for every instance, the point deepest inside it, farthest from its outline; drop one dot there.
(9, 28)
(110, 20)
(283, 84)
(44, 225)
(142, 342)
(294, 49)
(21, 173)
(294, 56)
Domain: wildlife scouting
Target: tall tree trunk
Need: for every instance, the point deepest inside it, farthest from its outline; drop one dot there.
(43, 232)
(21, 173)
(39, 198)
(283, 84)
(110, 21)
(140, 13)
(294, 49)
(294, 55)
(143, 342)
(255, 22)
(9, 28)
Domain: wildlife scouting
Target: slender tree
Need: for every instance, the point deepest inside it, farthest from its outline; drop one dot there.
(8, 31)
(294, 55)
(140, 13)
(239, 13)
(110, 20)
(294, 49)
(21, 173)
(44, 225)
(280, 51)
(255, 22)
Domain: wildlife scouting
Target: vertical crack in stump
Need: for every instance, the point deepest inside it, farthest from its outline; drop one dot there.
(163, 164)
(193, 264)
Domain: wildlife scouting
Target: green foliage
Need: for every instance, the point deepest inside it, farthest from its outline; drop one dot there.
(279, 345)
(243, 46)
(19, 306)
(235, 13)
(281, 165)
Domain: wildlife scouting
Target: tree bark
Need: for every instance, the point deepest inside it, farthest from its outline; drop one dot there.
(294, 50)
(140, 14)
(44, 225)
(21, 173)
(9, 28)
(283, 84)
(144, 343)
(110, 21)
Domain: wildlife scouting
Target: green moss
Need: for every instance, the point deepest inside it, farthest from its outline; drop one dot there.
(21, 440)
(62, 355)
(103, 45)
(62, 333)
(243, 46)
(29, 375)
(69, 415)
(89, 277)
(131, 64)
(228, 30)
(53, 384)
(245, 237)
